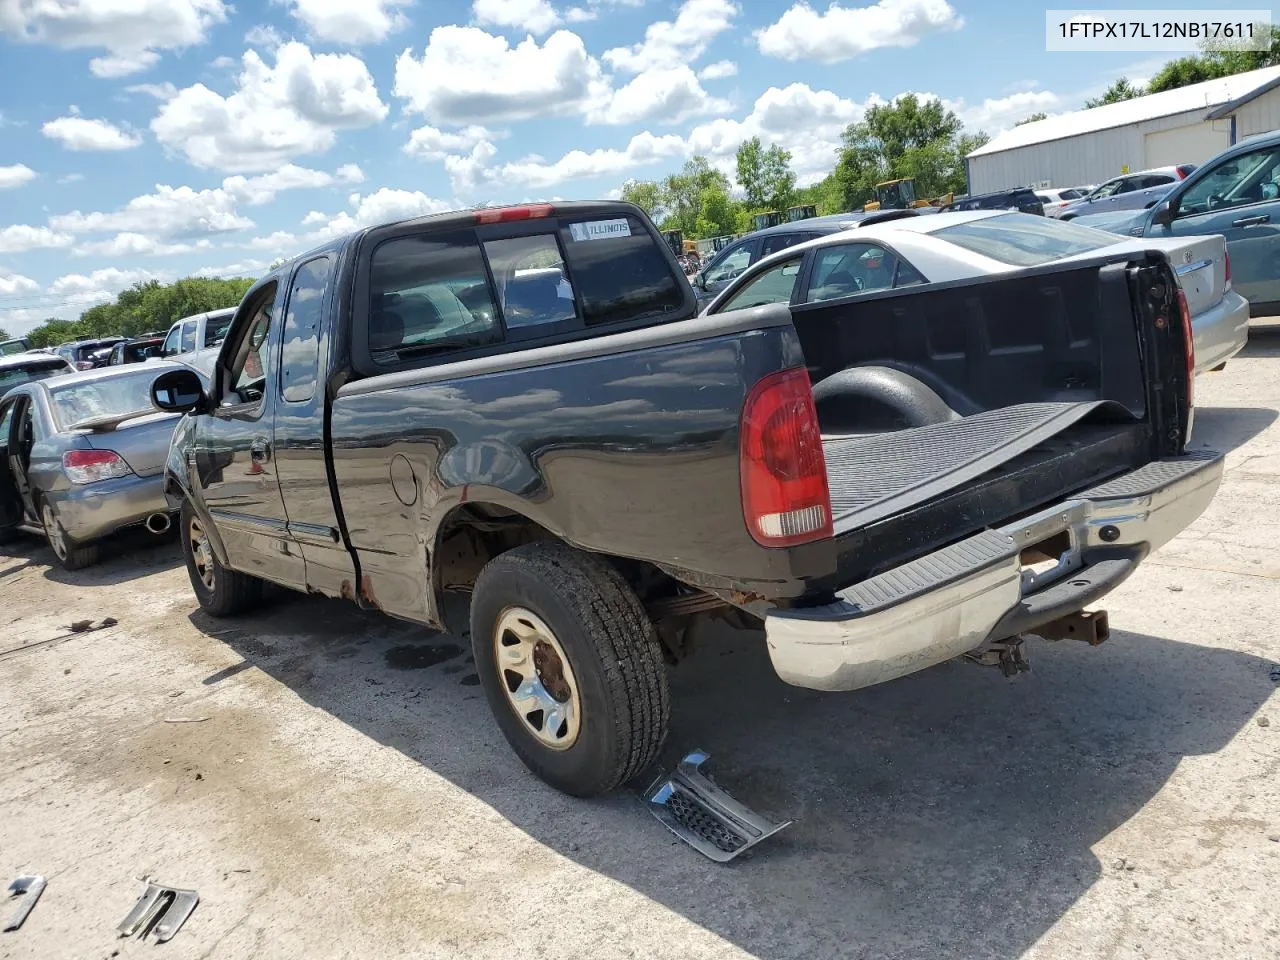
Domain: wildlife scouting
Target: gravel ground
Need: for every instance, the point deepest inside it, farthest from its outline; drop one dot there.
(345, 793)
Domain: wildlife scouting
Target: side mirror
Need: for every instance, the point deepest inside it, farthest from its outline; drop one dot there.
(1162, 215)
(179, 391)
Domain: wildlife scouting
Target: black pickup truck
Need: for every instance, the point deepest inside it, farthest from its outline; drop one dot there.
(520, 404)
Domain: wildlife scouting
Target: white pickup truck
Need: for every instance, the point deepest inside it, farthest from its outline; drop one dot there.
(196, 340)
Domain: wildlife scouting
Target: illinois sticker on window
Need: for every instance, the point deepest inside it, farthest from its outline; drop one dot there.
(600, 229)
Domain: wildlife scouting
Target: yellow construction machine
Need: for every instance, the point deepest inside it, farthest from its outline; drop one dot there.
(901, 195)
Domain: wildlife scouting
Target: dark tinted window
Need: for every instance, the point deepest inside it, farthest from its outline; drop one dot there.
(188, 336)
(13, 376)
(300, 350)
(779, 241)
(619, 271)
(215, 329)
(428, 294)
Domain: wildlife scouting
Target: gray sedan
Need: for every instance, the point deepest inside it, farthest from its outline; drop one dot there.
(82, 456)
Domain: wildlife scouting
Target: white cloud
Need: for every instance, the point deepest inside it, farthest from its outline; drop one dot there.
(802, 33)
(71, 178)
(278, 242)
(466, 170)
(78, 290)
(383, 206)
(994, 115)
(341, 21)
(176, 213)
(669, 44)
(644, 148)
(666, 95)
(428, 143)
(20, 238)
(262, 189)
(136, 245)
(15, 175)
(718, 70)
(131, 31)
(276, 113)
(579, 15)
(263, 35)
(81, 133)
(123, 65)
(242, 268)
(535, 16)
(161, 91)
(468, 76)
(222, 63)
(167, 213)
(16, 283)
(805, 121)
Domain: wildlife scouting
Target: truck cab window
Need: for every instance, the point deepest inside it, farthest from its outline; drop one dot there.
(300, 343)
(248, 372)
(188, 336)
(429, 294)
(171, 341)
(530, 278)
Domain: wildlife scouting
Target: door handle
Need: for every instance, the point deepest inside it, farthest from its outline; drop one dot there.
(260, 451)
(1252, 221)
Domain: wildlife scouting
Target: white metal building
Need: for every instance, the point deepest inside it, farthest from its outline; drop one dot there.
(1187, 125)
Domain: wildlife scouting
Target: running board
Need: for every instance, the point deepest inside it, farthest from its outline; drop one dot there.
(703, 815)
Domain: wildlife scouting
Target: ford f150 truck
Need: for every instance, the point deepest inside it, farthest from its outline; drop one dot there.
(520, 404)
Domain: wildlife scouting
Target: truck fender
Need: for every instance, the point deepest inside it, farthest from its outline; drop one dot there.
(872, 399)
(178, 487)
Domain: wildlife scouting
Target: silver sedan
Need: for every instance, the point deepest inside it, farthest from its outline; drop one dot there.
(83, 456)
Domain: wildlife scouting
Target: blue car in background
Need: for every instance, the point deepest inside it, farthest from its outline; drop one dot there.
(1132, 191)
(1237, 195)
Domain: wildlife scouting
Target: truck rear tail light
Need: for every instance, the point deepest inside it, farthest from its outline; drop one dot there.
(528, 211)
(90, 466)
(1189, 344)
(785, 498)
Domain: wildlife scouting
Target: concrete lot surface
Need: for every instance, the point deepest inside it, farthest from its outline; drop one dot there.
(344, 792)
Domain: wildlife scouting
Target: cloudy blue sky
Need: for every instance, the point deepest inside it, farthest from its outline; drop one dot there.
(161, 138)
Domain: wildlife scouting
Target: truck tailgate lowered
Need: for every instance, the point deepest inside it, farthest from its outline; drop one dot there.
(953, 600)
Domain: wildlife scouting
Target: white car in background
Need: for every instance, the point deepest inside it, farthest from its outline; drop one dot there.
(1055, 198)
(980, 243)
(196, 340)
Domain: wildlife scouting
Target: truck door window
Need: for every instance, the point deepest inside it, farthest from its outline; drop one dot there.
(300, 348)
(429, 294)
(188, 336)
(250, 361)
(530, 278)
(732, 265)
(1237, 182)
(774, 285)
(171, 341)
(850, 268)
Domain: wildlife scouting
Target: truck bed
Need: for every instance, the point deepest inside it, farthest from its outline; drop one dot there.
(873, 477)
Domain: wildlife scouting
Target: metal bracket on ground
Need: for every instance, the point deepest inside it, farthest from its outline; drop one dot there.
(26, 889)
(160, 910)
(703, 815)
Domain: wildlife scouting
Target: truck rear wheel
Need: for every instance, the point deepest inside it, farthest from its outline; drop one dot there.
(571, 667)
(221, 592)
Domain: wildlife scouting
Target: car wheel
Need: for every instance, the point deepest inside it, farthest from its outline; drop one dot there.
(219, 591)
(71, 555)
(571, 667)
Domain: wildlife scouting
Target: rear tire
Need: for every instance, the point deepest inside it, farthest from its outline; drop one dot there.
(219, 591)
(71, 555)
(539, 605)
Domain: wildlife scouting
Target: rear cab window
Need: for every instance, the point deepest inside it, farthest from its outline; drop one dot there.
(458, 291)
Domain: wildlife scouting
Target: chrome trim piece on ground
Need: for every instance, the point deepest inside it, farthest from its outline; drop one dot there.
(705, 816)
(26, 889)
(160, 910)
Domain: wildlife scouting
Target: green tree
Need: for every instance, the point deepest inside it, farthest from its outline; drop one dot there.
(750, 166)
(4, 334)
(718, 214)
(906, 138)
(1032, 119)
(646, 195)
(1212, 64)
(682, 193)
(147, 307)
(1118, 92)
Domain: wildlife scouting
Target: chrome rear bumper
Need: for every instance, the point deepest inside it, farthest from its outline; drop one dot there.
(953, 600)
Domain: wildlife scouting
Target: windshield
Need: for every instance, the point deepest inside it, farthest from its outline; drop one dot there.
(1023, 240)
(86, 400)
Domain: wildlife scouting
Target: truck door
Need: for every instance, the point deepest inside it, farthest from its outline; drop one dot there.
(235, 460)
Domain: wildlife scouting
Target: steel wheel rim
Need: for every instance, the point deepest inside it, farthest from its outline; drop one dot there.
(535, 674)
(53, 530)
(201, 555)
